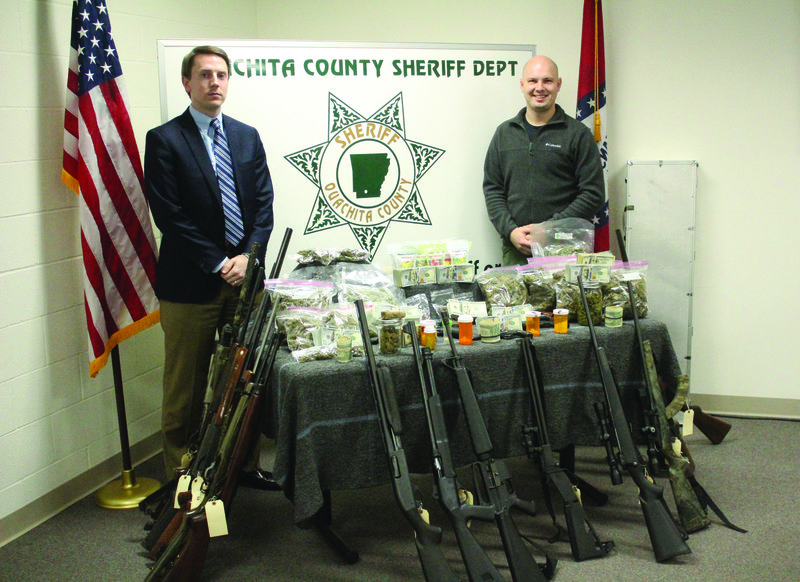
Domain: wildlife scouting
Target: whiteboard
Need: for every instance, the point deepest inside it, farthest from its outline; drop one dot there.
(659, 222)
(444, 101)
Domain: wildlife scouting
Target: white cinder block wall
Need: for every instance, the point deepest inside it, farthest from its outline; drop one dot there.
(56, 423)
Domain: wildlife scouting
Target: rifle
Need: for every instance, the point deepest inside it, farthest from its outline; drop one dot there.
(659, 429)
(184, 555)
(236, 376)
(224, 376)
(713, 428)
(691, 498)
(583, 540)
(491, 475)
(667, 540)
(434, 564)
(692, 515)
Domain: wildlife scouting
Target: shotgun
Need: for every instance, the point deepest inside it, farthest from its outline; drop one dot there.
(434, 564)
(454, 500)
(493, 478)
(583, 540)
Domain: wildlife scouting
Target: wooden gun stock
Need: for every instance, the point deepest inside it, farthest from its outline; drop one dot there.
(712, 427)
(189, 563)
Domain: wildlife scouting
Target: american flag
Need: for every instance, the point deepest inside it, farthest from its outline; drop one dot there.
(101, 164)
(592, 101)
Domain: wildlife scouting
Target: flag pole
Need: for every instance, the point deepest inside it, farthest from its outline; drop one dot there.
(127, 491)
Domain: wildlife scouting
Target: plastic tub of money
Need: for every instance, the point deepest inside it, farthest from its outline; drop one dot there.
(344, 348)
(490, 329)
(614, 316)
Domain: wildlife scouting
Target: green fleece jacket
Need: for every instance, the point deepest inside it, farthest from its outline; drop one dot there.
(557, 175)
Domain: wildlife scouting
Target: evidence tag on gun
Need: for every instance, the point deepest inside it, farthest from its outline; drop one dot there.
(198, 492)
(215, 518)
(184, 484)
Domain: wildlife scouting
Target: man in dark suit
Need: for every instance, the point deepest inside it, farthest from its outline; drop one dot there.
(204, 244)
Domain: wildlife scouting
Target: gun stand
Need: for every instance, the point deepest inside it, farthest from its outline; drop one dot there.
(323, 523)
(126, 492)
(566, 460)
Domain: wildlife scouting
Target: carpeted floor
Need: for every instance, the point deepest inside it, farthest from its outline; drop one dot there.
(751, 475)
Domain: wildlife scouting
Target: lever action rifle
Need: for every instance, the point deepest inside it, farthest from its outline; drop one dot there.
(667, 540)
(184, 556)
(492, 477)
(427, 537)
(583, 540)
(235, 381)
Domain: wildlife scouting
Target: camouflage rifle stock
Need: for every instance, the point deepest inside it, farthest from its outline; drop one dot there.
(659, 432)
(692, 515)
(667, 540)
(713, 428)
(691, 499)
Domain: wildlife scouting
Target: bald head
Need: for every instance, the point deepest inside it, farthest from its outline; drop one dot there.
(540, 85)
(539, 63)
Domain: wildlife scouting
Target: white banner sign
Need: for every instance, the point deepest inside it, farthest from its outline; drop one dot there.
(369, 145)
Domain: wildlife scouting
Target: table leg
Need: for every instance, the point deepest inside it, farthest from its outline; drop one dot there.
(323, 522)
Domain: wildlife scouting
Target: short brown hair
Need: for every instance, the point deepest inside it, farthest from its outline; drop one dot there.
(188, 60)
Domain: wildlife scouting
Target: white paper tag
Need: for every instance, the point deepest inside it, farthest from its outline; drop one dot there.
(688, 422)
(184, 483)
(676, 447)
(197, 492)
(577, 493)
(215, 517)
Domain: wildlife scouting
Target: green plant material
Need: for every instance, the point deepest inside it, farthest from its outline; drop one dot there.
(541, 293)
(503, 288)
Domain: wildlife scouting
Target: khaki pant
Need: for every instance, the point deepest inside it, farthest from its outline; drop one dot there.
(190, 336)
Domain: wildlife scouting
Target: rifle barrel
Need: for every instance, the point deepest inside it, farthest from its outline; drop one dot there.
(667, 540)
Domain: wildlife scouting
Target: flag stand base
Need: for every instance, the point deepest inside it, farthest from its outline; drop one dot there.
(126, 492)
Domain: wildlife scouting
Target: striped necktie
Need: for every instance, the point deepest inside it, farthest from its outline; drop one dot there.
(234, 226)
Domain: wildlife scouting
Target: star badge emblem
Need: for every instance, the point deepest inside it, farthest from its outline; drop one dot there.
(366, 173)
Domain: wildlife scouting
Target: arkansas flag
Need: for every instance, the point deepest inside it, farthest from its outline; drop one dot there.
(592, 101)
(101, 164)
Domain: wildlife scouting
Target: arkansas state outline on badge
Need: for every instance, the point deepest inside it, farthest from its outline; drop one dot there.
(366, 173)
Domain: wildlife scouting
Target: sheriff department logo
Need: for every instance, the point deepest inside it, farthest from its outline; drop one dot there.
(366, 173)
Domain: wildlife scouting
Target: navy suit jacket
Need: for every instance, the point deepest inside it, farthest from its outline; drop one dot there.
(186, 203)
